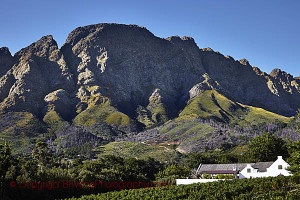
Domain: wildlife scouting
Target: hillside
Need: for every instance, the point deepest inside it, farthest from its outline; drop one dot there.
(213, 105)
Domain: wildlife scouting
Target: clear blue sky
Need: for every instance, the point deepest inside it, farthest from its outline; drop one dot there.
(266, 32)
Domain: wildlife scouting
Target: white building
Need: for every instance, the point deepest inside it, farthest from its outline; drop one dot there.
(240, 170)
(247, 170)
(266, 169)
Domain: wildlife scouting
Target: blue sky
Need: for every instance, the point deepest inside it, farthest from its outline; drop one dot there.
(267, 32)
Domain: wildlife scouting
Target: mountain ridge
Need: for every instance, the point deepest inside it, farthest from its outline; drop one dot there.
(141, 76)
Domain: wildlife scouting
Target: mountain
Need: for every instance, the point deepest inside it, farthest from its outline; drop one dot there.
(115, 79)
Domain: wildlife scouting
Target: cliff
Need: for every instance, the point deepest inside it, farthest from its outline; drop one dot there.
(126, 77)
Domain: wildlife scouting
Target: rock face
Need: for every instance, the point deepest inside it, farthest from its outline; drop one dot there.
(38, 70)
(207, 84)
(59, 101)
(128, 62)
(6, 60)
(145, 77)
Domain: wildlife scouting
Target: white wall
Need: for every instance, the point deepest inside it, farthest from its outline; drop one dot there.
(245, 174)
(271, 171)
(191, 181)
(274, 171)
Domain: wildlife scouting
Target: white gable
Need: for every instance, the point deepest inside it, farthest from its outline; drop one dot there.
(279, 167)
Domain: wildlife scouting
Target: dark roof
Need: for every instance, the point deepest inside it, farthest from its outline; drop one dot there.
(230, 168)
(222, 167)
(219, 172)
(262, 166)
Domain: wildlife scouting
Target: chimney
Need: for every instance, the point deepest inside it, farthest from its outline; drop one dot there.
(279, 157)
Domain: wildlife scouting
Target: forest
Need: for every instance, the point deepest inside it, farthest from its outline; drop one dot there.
(45, 175)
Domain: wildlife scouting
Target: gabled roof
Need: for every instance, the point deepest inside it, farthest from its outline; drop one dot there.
(210, 168)
(218, 168)
(235, 167)
(262, 166)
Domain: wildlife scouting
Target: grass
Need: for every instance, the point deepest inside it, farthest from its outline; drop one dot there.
(186, 130)
(53, 119)
(159, 113)
(259, 115)
(99, 110)
(14, 123)
(154, 114)
(212, 104)
(162, 152)
(20, 130)
(102, 113)
(118, 119)
(239, 150)
(144, 116)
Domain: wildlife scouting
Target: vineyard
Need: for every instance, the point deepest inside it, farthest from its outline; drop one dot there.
(258, 188)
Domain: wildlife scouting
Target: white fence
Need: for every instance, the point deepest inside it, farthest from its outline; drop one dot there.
(191, 181)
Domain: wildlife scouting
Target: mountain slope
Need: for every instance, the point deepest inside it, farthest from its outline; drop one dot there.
(195, 129)
(127, 64)
(213, 105)
(113, 80)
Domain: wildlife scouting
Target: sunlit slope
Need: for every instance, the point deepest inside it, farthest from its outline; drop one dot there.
(20, 130)
(213, 105)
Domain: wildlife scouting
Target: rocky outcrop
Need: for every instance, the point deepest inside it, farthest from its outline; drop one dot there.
(38, 70)
(207, 84)
(129, 62)
(6, 60)
(161, 108)
(249, 85)
(59, 101)
(135, 72)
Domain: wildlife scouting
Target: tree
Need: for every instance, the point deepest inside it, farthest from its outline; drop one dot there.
(294, 150)
(266, 147)
(42, 154)
(173, 172)
(8, 165)
(152, 167)
(29, 171)
(294, 162)
(6, 160)
(194, 159)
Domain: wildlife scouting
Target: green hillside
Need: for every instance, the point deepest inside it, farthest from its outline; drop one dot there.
(162, 152)
(99, 111)
(213, 105)
(20, 129)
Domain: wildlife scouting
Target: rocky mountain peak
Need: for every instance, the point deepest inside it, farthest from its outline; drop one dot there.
(244, 62)
(106, 30)
(4, 51)
(126, 63)
(176, 38)
(6, 60)
(185, 42)
(277, 73)
(43, 47)
(207, 49)
(229, 57)
(282, 75)
(259, 72)
(37, 70)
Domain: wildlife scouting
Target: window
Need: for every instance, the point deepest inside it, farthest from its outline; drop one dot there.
(249, 170)
(279, 166)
